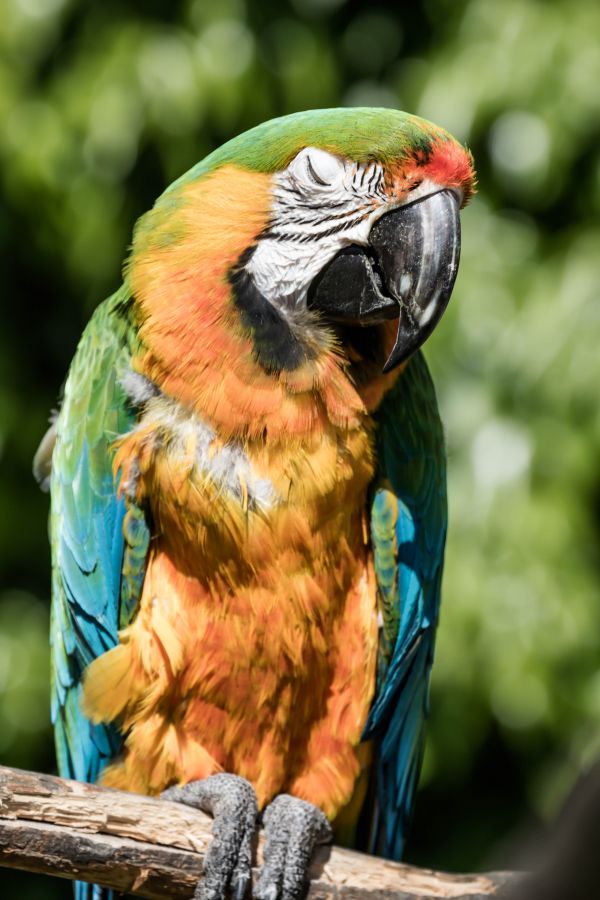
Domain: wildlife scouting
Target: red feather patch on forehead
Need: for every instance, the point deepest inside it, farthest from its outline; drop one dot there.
(443, 161)
(450, 165)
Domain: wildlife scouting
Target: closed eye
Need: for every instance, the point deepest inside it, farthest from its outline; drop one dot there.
(315, 177)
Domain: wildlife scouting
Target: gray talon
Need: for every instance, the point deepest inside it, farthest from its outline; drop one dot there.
(269, 893)
(240, 886)
(232, 803)
(293, 827)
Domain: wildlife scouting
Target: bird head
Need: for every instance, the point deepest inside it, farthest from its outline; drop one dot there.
(324, 232)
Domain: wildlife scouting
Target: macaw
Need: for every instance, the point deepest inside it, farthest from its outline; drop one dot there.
(248, 501)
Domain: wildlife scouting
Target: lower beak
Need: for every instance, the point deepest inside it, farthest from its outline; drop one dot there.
(407, 272)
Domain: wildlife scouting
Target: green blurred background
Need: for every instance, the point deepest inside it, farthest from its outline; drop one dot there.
(103, 104)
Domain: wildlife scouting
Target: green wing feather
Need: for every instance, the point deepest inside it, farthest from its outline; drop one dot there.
(99, 541)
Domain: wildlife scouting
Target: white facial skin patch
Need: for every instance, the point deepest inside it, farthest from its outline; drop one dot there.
(321, 204)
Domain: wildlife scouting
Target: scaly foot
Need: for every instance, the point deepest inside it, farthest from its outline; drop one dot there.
(232, 803)
(292, 829)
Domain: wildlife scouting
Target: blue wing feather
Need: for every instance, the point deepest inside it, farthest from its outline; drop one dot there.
(89, 543)
(408, 530)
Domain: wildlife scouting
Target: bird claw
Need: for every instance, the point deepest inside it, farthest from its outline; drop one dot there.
(232, 803)
(240, 885)
(292, 829)
(269, 893)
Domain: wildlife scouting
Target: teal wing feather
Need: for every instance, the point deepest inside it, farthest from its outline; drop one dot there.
(408, 532)
(99, 540)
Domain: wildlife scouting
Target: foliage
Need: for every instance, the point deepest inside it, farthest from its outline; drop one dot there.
(103, 104)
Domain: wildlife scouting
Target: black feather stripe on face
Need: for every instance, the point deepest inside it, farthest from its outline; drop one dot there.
(276, 347)
(317, 235)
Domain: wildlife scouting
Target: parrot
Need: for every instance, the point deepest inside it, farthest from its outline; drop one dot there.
(248, 494)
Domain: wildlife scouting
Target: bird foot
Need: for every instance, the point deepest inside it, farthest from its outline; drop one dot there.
(293, 827)
(232, 803)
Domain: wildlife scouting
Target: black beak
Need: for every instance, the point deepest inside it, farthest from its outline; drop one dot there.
(407, 272)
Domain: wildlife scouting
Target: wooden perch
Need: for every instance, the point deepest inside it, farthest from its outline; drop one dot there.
(152, 848)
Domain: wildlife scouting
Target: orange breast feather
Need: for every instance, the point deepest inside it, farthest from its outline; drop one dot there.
(255, 644)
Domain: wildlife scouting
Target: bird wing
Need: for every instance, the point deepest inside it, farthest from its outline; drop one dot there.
(408, 532)
(99, 539)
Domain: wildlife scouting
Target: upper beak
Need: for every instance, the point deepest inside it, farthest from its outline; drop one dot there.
(408, 273)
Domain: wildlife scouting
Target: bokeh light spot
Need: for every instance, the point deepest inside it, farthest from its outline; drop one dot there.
(501, 453)
(40, 9)
(165, 65)
(519, 700)
(520, 144)
(226, 49)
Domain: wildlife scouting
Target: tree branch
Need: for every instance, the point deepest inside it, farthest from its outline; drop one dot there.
(155, 849)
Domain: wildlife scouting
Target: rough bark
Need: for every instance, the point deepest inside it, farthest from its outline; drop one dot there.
(155, 849)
